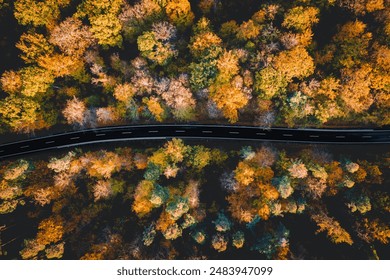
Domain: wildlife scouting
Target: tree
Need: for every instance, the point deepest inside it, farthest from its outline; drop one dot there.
(244, 174)
(219, 242)
(329, 87)
(35, 80)
(63, 164)
(295, 63)
(175, 150)
(199, 157)
(21, 114)
(374, 230)
(11, 82)
(59, 65)
(204, 40)
(179, 12)
(179, 97)
(104, 164)
(351, 44)
(356, 89)
(33, 45)
(156, 46)
(155, 108)
(10, 196)
(102, 190)
(106, 29)
(363, 6)
(270, 82)
(138, 17)
(297, 169)
(124, 92)
(103, 16)
(38, 13)
(71, 36)
(50, 230)
(74, 111)
(227, 65)
(106, 115)
(142, 205)
(300, 18)
(248, 30)
(332, 227)
(229, 99)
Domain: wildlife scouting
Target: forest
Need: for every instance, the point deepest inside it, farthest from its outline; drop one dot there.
(188, 199)
(303, 63)
(77, 64)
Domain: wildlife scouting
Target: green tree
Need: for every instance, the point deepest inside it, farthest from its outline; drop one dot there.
(103, 16)
(270, 82)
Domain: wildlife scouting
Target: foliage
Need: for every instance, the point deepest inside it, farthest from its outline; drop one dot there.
(69, 197)
(179, 12)
(157, 45)
(38, 13)
(21, 114)
(332, 227)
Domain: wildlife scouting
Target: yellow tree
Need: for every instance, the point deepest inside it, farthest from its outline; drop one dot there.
(155, 108)
(227, 65)
(179, 12)
(300, 18)
(333, 228)
(244, 173)
(38, 13)
(229, 99)
(142, 205)
(356, 91)
(33, 45)
(60, 65)
(21, 114)
(295, 63)
(248, 30)
(50, 230)
(124, 92)
(361, 7)
(352, 43)
(104, 164)
(35, 80)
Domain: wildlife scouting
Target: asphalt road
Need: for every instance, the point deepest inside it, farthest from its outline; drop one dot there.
(148, 132)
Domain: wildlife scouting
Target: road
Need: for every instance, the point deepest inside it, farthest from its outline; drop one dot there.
(226, 132)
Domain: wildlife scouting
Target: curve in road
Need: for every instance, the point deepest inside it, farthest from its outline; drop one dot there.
(146, 132)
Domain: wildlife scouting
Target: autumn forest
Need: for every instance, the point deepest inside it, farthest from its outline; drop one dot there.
(76, 64)
(322, 63)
